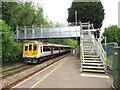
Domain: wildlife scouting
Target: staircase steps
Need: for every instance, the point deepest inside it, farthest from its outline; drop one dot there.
(90, 60)
(93, 67)
(87, 41)
(89, 53)
(91, 70)
(91, 56)
(94, 64)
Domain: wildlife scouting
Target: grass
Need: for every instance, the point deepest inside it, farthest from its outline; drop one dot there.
(8, 67)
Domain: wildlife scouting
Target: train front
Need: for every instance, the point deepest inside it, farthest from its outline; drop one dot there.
(30, 52)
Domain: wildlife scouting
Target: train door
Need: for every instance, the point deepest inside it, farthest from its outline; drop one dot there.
(51, 50)
(41, 49)
(59, 49)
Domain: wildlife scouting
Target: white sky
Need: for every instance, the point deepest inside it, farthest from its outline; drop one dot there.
(56, 10)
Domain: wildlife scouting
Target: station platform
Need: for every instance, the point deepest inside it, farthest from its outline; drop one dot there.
(65, 74)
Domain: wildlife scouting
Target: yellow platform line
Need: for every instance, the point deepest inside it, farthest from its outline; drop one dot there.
(47, 75)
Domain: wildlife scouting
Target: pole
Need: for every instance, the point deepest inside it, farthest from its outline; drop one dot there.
(33, 31)
(105, 45)
(76, 17)
(76, 31)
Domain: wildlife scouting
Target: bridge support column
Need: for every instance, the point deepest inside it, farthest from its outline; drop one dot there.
(25, 32)
(33, 31)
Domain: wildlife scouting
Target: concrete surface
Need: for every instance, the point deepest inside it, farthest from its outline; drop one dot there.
(65, 74)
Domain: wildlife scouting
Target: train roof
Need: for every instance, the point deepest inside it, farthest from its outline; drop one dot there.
(48, 44)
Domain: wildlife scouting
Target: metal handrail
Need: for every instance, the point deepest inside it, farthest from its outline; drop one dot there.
(99, 49)
(83, 60)
(101, 52)
(105, 54)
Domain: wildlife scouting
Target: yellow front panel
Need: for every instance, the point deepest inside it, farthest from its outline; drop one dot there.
(30, 49)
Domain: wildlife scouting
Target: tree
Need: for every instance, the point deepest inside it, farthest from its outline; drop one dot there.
(23, 14)
(87, 11)
(10, 51)
(112, 34)
(10, 12)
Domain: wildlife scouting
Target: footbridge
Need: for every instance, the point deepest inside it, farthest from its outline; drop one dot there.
(40, 32)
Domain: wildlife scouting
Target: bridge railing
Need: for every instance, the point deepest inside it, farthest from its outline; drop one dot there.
(110, 53)
(41, 32)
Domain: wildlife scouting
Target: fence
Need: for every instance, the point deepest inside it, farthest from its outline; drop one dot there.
(110, 53)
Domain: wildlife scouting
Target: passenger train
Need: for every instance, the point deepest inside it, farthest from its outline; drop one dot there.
(33, 51)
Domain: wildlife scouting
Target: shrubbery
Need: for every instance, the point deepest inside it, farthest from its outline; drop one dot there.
(112, 34)
(10, 51)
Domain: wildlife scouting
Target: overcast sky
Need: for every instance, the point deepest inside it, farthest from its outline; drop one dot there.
(56, 10)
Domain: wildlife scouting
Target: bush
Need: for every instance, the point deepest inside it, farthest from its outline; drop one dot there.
(10, 51)
(112, 34)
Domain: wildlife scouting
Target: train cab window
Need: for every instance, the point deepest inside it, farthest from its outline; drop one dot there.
(30, 47)
(46, 48)
(26, 47)
(34, 47)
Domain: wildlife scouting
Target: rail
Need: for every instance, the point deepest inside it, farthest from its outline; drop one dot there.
(83, 60)
(100, 50)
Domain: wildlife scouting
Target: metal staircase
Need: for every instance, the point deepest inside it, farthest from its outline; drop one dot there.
(93, 56)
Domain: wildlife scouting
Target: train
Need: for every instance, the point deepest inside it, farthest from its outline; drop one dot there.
(34, 51)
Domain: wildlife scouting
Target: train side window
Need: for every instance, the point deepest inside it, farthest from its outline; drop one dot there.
(30, 47)
(26, 47)
(46, 48)
(34, 47)
(56, 48)
(62, 48)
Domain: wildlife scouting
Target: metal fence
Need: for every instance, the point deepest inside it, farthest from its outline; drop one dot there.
(109, 49)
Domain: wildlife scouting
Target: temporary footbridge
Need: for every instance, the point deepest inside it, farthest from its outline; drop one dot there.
(93, 56)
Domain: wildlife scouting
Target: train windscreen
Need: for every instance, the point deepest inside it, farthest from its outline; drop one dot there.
(30, 47)
(26, 48)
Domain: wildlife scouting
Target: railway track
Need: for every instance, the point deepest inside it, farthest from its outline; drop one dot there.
(11, 79)
(10, 72)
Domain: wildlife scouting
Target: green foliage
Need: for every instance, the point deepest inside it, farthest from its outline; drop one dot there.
(112, 34)
(10, 51)
(23, 14)
(87, 11)
(0, 10)
(70, 42)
